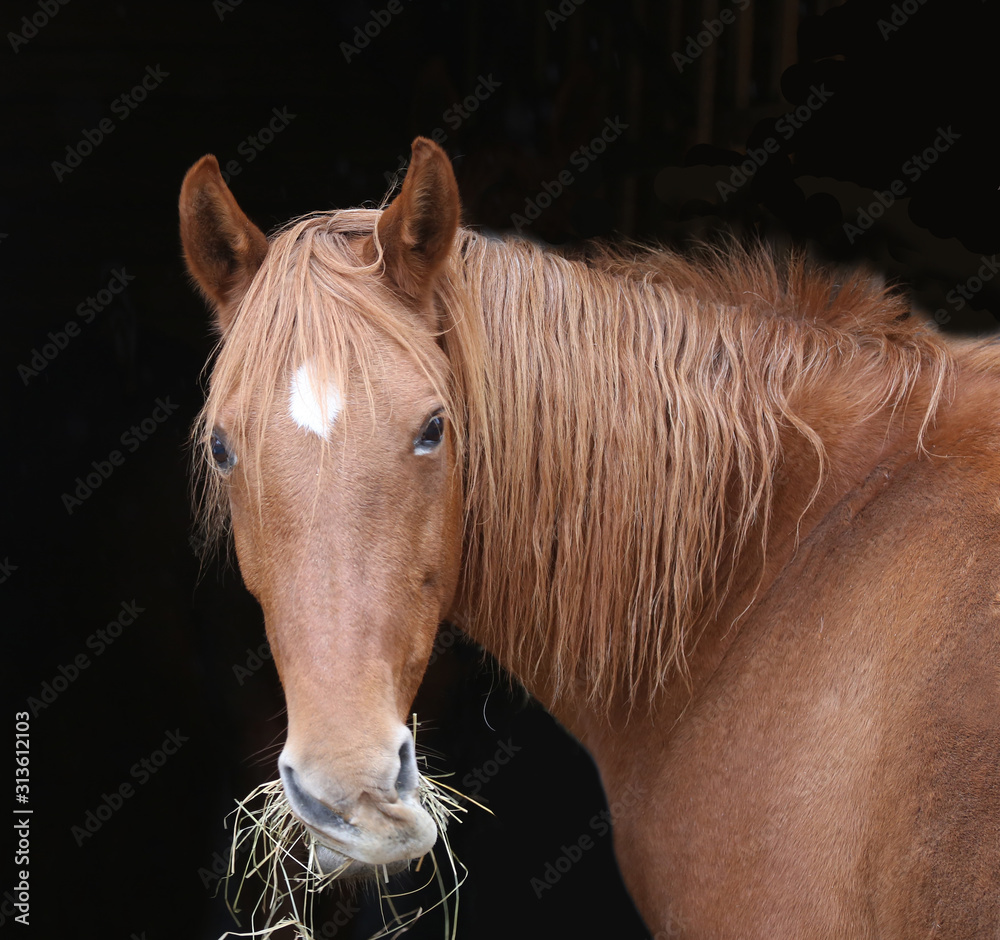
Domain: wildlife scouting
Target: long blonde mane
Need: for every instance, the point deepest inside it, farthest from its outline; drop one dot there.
(620, 418)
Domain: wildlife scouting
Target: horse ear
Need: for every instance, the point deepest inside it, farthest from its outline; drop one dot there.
(417, 229)
(222, 247)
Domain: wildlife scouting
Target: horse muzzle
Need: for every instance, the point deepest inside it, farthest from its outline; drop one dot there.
(387, 828)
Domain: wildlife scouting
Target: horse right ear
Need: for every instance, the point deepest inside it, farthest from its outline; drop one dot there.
(222, 247)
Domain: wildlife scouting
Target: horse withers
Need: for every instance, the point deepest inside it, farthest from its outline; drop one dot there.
(731, 517)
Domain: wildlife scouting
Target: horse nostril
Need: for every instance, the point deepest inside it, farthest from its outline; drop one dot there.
(306, 806)
(406, 781)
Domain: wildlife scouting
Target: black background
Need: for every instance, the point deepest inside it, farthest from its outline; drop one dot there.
(176, 668)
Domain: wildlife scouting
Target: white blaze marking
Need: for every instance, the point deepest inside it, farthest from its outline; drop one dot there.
(313, 407)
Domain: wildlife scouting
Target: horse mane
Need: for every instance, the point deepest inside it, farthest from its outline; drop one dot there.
(625, 431)
(620, 414)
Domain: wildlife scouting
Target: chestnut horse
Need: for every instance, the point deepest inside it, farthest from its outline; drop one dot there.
(732, 518)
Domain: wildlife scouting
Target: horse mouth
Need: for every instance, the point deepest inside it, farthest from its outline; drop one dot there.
(368, 837)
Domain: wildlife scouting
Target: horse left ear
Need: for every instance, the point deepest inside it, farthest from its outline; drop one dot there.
(418, 228)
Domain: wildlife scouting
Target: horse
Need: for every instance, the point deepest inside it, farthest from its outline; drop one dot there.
(730, 515)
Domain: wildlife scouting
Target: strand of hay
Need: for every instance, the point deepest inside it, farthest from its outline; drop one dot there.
(282, 853)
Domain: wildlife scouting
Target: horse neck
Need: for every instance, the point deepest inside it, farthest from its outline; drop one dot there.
(625, 503)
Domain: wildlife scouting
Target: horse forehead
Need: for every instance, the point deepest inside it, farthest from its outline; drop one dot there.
(314, 402)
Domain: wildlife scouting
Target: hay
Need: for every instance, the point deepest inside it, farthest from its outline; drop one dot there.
(282, 853)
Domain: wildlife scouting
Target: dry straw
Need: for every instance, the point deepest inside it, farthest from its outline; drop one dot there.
(282, 853)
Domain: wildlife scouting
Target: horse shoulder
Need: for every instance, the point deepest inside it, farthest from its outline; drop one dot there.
(934, 842)
(840, 767)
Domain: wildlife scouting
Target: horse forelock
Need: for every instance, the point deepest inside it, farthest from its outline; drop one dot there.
(307, 337)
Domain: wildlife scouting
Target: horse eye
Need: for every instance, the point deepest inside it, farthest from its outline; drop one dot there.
(431, 435)
(221, 454)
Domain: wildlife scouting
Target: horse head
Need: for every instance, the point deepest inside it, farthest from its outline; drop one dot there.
(327, 434)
